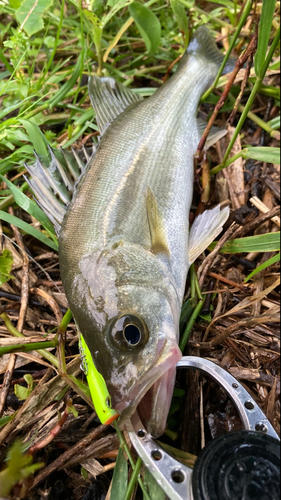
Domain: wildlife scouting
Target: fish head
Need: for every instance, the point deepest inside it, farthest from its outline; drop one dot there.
(143, 369)
(128, 312)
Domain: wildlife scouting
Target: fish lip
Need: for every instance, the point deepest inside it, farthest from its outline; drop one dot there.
(164, 363)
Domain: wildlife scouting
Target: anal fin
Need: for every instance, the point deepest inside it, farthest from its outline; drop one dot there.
(205, 229)
(156, 226)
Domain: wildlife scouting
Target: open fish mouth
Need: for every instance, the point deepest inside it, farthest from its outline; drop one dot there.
(152, 396)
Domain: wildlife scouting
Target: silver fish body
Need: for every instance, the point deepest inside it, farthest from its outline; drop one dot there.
(124, 240)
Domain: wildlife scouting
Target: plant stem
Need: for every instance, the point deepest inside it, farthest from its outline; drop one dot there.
(252, 96)
(10, 327)
(197, 287)
(219, 167)
(192, 281)
(36, 111)
(117, 37)
(133, 479)
(32, 346)
(65, 320)
(256, 119)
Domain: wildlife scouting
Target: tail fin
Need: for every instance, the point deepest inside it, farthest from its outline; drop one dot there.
(203, 45)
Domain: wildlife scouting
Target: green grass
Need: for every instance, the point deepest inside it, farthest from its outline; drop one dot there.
(46, 57)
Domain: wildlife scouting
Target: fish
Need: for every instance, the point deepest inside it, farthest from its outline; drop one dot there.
(122, 219)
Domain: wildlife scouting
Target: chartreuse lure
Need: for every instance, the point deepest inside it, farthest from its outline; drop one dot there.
(99, 393)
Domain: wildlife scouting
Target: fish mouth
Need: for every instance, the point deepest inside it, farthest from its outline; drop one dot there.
(152, 396)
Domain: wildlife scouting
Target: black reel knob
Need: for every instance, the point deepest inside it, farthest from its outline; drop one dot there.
(243, 465)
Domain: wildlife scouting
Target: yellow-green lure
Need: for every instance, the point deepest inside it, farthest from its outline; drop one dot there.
(99, 393)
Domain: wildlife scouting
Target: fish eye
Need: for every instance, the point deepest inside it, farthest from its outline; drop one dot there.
(128, 332)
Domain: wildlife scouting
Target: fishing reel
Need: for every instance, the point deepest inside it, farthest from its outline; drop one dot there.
(241, 465)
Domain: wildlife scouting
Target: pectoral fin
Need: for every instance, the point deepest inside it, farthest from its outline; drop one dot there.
(205, 229)
(156, 226)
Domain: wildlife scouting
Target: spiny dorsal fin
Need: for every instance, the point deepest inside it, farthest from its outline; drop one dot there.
(109, 99)
(205, 229)
(216, 133)
(156, 226)
(53, 180)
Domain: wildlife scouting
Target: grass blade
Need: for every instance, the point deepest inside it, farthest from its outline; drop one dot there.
(60, 95)
(11, 108)
(267, 13)
(269, 155)
(116, 5)
(263, 266)
(120, 477)
(29, 206)
(6, 264)
(36, 137)
(268, 242)
(6, 62)
(133, 479)
(154, 490)
(11, 219)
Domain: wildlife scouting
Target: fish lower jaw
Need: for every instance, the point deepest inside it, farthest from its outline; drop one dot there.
(152, 398)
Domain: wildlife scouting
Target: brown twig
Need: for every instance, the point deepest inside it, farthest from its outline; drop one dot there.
(7, 381)
(49, 284)
(71, 452)
(54, 432)
(50, 301)
(253, 224)
(108, 467)
(22, 314)
(205, 266)
(206, 185)
(109, 454)
(244, 288)
(243, 85)
(43, 394)
(233, 231)
(165, 77)
(21, 380)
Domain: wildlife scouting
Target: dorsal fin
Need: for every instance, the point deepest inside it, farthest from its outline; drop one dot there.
(53, 180)
(109, 99)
